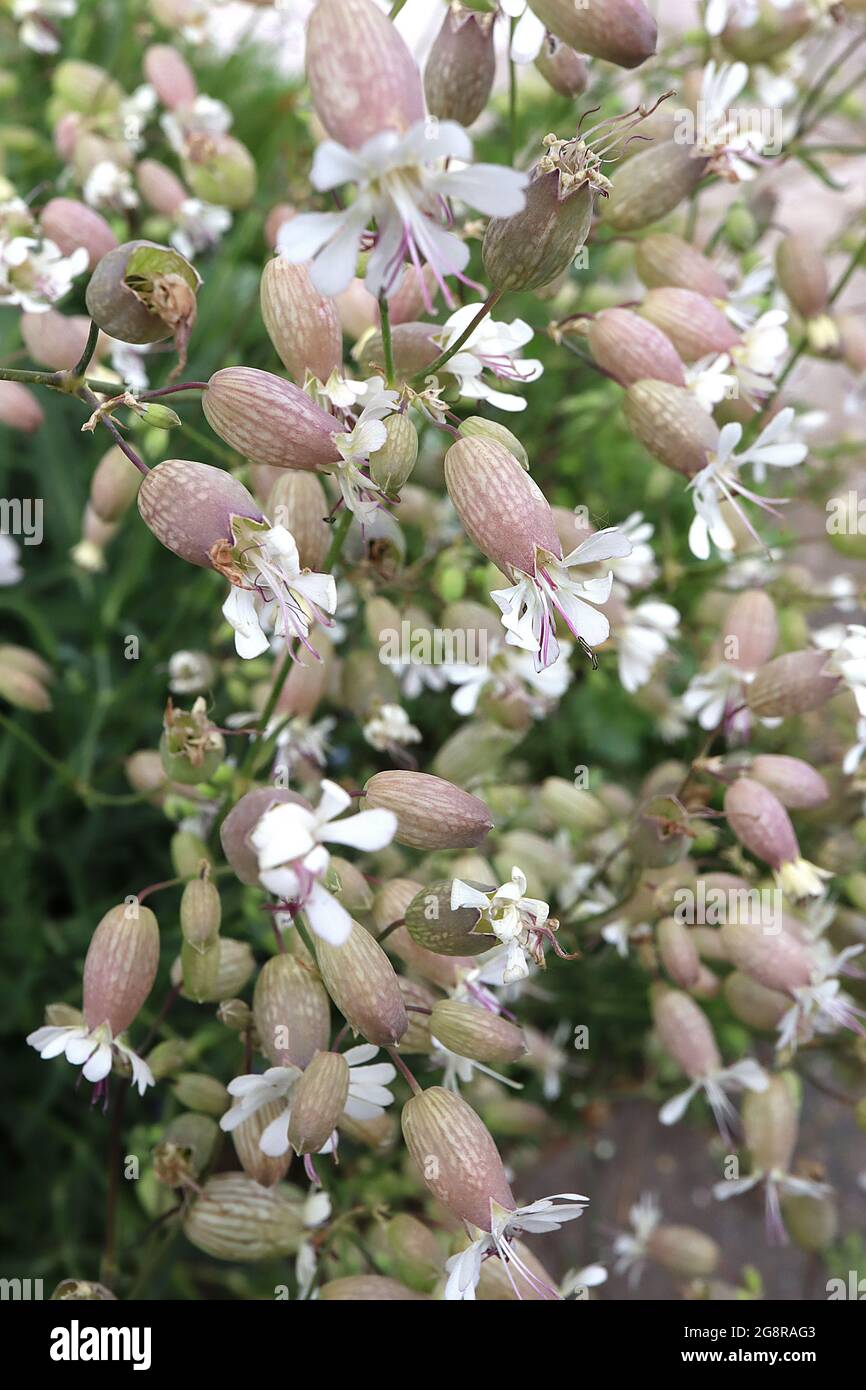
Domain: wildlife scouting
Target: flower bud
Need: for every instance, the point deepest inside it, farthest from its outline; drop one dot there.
(632, 349)
(795, 783)
(750, 630)
(476, 427)
(412, 1251)
(363, 79)
(189, 507)
(191, 748)
(663, 259)
(200, 912)
(202, 1093)
(23, 678)
(86, 88)
(318, 1101)
(301, 323)
(501, 508)
(775, 30)
(219, 170)
(169, 75)
(431, 813)
(160, 188)
(235, 1218)
(562, 69)
(620, 31)
(771, 1121)
(19, 408)
(200, 969)
(291, 1011)
(678, 953)
(167, 1058)
(753, 1003)
(572, 807)
(531, 248)
(476, 748)
(659, 836)
(362, 983)
(142, 293)
(852, 341)
(392, 465)
(297, 502)
(779, 962)
(269, 420)
(55, 340)
(461, 68)
(811, 1222)
(120, 967)
(366, 1288)
(671, 425)
(114, 485)
(434, 924)
(188, 850)
(477, 1033)
(691, 321)
(684, 1032)
(760, 822)
(683, 1251)
(236, 965)
(245, 1137)
(456, 1156)
(801, 268)
(650, 185)
(236, 1015)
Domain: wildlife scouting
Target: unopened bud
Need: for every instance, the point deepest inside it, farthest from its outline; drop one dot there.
(684, 1032)
(86, 88)
(24, 677)
(477, 427)
(456, 1156)
(160, 188)
(683, 1251)
(202, 1093)
(363, 79)
(188, 850)
(573, 807)
(236, 1015)
(478, 747)
(771, 1121)
(795, 783)
(167, 1058)
(792, 684)
(318, 1101)
(362, 983)
(219, 170)
(620, 31)
(291, 1011)
(663, 259)
(366, 1288)
(235, 1218)
(236, 965)
(120, 967)
(169, 75)
(392, 465)
(678, 953)
(461, 68)
(114, 485)
(19, 408)
(671, 425)
(650, 185)
(477, 1033)
(695, 326)
(632, 349)
(269, 420)
(301, 323)
(750, 630)
(562, 69)
(413, 1251)
(431, 813)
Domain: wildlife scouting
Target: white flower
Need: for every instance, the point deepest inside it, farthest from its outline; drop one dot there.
(274, 590)
(776, 1181)
(758, 358)
(299, 741)
(360, 494)
(289, 842)
(821, 1007)
(520, 923)
(109, 186)
(631, 1250)
(638, 568)
(855, 754)
(190, 672)
(577, 1281)
(35, 274)
(37, 31)
(10, 567)
(528, 606)
(390, 725)
(368, 1096)
(712, 694)
(91, 1049)
(719, 482)
(548, 1214)
(730, 140)
(643, 640)
(529, 31)
(403, 184)
(198, 227)
(710, 382)
(849, 661)
(493, 347)
(744, 1074)
(206, 116)
(135, 112)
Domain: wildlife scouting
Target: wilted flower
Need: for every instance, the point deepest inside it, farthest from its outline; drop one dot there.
(520, 923)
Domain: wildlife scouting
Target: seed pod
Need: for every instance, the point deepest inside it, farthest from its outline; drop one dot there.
(392, 465)
(19, 408)
(363, 79)
(200, 913)
(760, 822)
(55, 340)
(811, 1222)
(775, 30)
(318, 1101)
(240, 822)
(114, 485)
(297, 502)
(531, 248)
(659, 837)
(169, 75)
(456, 1156)
(684, 1032)
(477, 1033)
(562, 69)
(120, 967)
(770, 1123)
(86, 88)
(477, 748)
(572, 807)
(269, 420)
(753, 1003)
(802, 271)
(219, 170)
(160, 188)
(476, 427)
(361, 981)
(141, 293)
(431, 813)
(435, 925)
(245, 1137)
(651, 184)
(692, 322)
(236, 965)
(235, 1218)
(671, 425)
(198, 1091)
(301, 323)
(501, 508)
(367, 1288)
(461, 68)
(291, 1011)
(792, 684)
(779, 962)
(190, 506)
(678, 953)
(750, 630)
(683, 1251)
(795, 783)
(621, 31)
(663, 259)
(412, 1251)
(632, 349)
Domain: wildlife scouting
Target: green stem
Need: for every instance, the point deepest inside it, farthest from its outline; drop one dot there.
(396, 8)
(492, 299)
(89, 349)
(57, 381)
(270, 705)
(387, 344)
(87, 395)
(341, 531)
(512, 98)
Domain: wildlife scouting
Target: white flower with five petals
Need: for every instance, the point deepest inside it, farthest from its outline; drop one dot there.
(273, 591)
(492, 348)
(92, 1049)
(548, 1214)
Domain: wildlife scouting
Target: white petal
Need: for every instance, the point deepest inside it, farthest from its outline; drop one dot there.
(328, 918)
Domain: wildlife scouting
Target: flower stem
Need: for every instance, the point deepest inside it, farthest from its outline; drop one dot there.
(492, 299)
(387, 344)
(89, 349)
(404, 1070)
(396, 8)
(512, 98)
(341, 530)
(87, 395)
